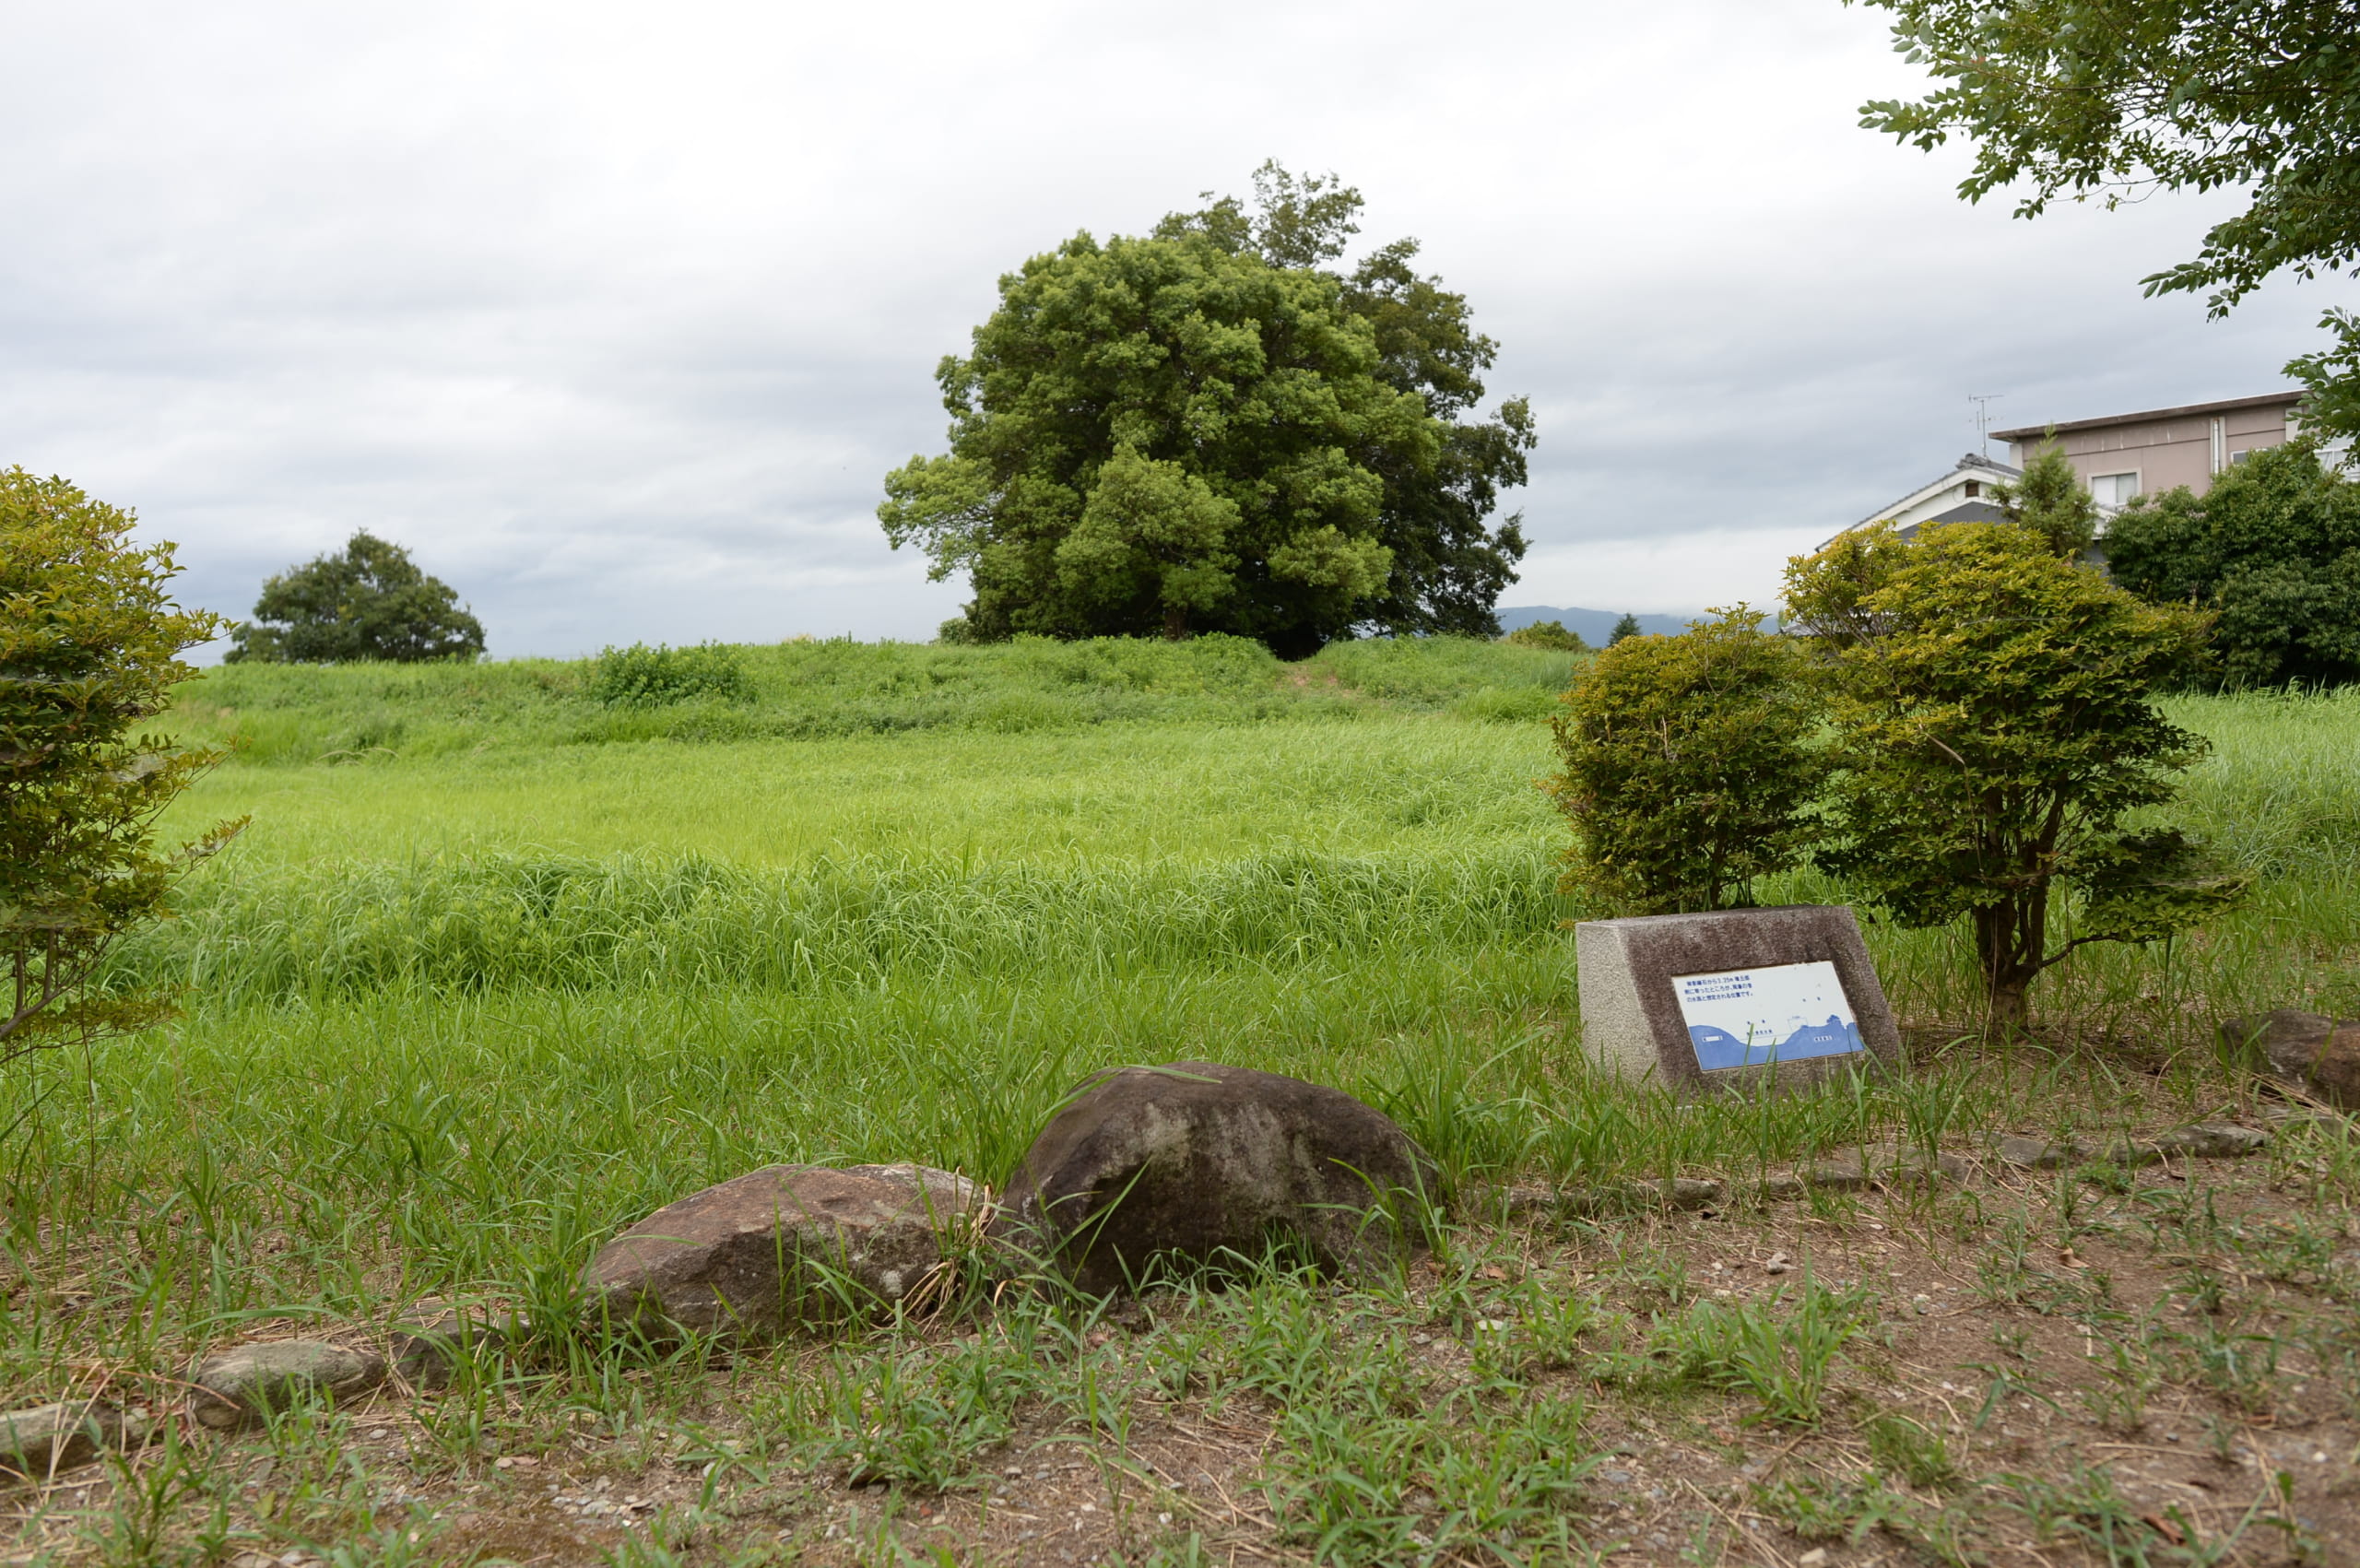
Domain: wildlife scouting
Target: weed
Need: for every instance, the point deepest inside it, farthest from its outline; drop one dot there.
(1781, 1359)
(1911, 1450)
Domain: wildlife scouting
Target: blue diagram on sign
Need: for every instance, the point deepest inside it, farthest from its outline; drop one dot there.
(1786, 1012)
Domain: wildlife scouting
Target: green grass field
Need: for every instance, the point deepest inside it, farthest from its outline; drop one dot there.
(497, 967)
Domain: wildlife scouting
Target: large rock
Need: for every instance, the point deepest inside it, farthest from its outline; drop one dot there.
(782, 1247)
(2318, 1051)
(240, 1386)
(1151, 1167)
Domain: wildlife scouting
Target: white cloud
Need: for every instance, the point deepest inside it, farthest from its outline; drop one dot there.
(616, 315)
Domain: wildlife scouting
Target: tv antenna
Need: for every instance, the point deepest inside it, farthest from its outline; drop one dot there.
(1983, 401)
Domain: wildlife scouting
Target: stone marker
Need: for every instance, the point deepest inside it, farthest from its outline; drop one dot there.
(2320, 1053)
(1701, 1001)
(782, 1247)
(48, 1438)
(240, 1386)
(1151, 1167)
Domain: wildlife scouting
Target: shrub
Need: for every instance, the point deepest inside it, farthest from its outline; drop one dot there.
(1686, 769)
(89, 647)
(1547, 634)
(1993, 729)
(641, 676)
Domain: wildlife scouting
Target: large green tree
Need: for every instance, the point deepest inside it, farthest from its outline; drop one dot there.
(1449, 563)
(369, 601)
(2108, 99)
(2272, 550)
(1202, 430)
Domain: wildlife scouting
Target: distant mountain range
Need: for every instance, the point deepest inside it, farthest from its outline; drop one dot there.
(1593, 627)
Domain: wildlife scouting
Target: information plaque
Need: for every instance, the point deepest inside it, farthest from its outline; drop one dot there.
(1744, 1017)
(1730, 996)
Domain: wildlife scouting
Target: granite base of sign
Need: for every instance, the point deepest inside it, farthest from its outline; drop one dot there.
(1703, 1001)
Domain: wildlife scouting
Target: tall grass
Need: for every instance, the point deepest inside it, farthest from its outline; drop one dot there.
(459, 1006)
(806, 689)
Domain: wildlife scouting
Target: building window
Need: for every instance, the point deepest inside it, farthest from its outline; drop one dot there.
(2238, 457)
(2112, 489)
(1973, 488)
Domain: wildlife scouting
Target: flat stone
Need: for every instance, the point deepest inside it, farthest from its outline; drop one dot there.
(782, 1248)
(2136, 1152)
(1784, 1186)
(1677, 1192)
(1195, 1164)
(2212, 1141)
(2036, 1154)
(240, 1386)
(40, 1442)
(1837, 1175)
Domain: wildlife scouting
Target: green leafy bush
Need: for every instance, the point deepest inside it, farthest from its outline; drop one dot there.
(641, 676)
(1994, 729)
(89, 650)
(1686, 769)
(1547, 634)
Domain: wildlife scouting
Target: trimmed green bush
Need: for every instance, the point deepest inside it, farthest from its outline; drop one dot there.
(1686, 773)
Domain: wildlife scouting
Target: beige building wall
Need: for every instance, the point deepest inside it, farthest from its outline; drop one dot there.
(2131, 454)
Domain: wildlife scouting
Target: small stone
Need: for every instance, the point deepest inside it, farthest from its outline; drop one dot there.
(1921, 1304)
(1906, 1165)
(1813, 1558)
(238, 1387)
(1837, 1175)
(2212, 1141)
(1777, 1263)
(48, 1438)
(2034, 1154)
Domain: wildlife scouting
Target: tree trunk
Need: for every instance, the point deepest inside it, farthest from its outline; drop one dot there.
(1176, 625)
(2008, 941)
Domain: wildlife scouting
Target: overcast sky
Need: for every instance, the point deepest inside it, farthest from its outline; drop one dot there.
(616, 315)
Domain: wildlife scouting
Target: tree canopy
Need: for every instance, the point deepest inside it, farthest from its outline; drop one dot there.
(1207, 429)
(2108, 99)
(369, 601)
(2273, 550)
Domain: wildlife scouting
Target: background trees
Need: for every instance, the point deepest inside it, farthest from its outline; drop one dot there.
(370, 602)
(1205, 431)
(2051, 501)
(2273, 550)
(2110, 99)
(90, 649)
